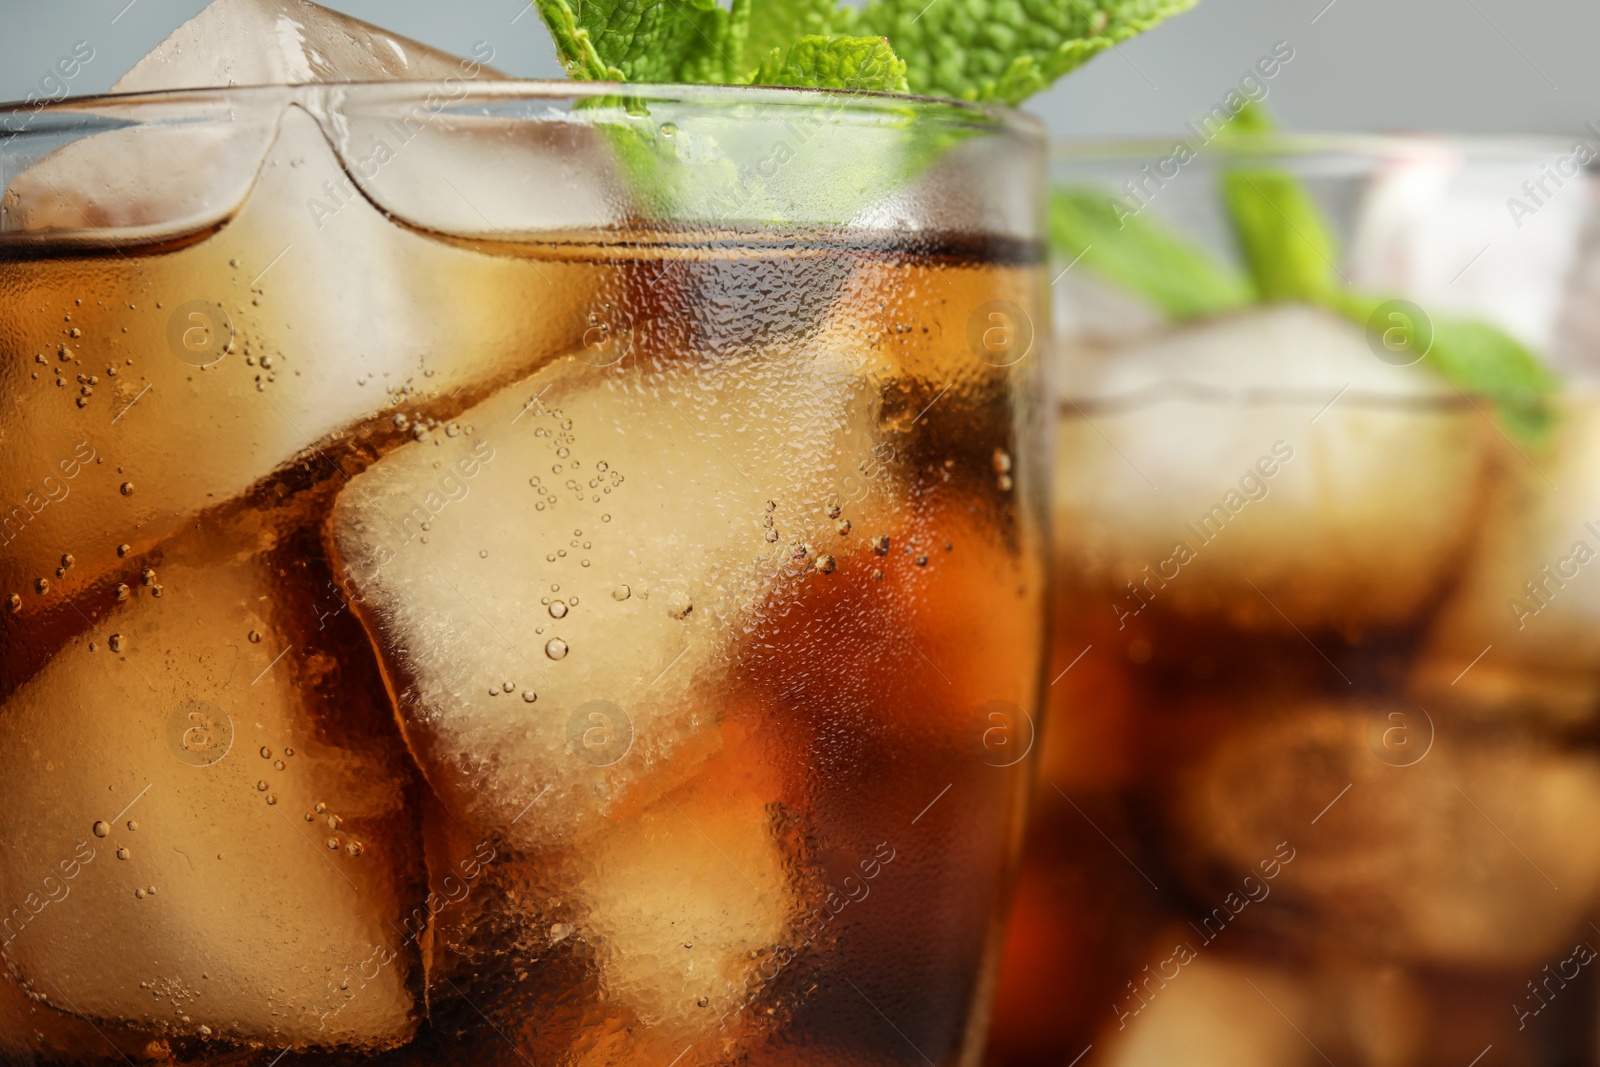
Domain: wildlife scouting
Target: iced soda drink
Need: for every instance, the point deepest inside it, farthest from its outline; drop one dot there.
(497, 573)
(1320, 783)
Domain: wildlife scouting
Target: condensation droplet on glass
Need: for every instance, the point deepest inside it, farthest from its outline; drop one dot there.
(880, 545)
(555, 648)
(844, 527)
(825, 564)
(834, 511)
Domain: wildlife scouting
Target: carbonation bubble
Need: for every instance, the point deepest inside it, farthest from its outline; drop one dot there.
(41, 585)
(844, 527)
(558, 609)
(127, 488)
(115, 642)
(123, 550)
(353, 849)
(825, 564)
(123, 853)
(122, 591)
(880, 545)
(261, 786)
(13, 603)
(147, 576)
(529, 696)
(834, 511)
(1002, 461)
(555, 648)
(132, 825)
(255, 637)
(621, 593)
(280, 765)
(102, 828)
(506, 687)
(266, 753)
(333, 844)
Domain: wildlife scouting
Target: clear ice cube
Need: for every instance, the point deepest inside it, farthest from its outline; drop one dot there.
(1259, 449)
(557, 592)
(1407, 840)
(1520, 635)
(209, 833)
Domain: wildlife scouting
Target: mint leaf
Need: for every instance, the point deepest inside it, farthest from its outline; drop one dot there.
(1142, 256)
(574, 49)
(1001, 50)
(835, 63)
(649, 40)
(1286, 243)
(781, 23)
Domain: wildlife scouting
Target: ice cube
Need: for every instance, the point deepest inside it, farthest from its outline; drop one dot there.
(554, 590)
(209, 833)
(1220, 1010)
(167, 383)
(1520, 635)
(282, 42)
(1259, 450)
(684, 900)
(1440, 228)
(1357, 827)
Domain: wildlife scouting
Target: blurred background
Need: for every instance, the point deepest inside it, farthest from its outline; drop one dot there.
(1477, 66)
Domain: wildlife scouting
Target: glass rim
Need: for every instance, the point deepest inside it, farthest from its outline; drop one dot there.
(997, 117)
(1378, 147)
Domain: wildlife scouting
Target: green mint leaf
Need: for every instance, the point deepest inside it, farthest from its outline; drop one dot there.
(835, 63)
(1477, 357)
(1142, 256)
(781, 23)
(574, 49)
(649, 40)
(1001, 50)
(1286, 243)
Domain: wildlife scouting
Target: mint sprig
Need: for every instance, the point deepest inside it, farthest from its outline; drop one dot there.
(1142, 256)
(1000, 51)
(1290, 254)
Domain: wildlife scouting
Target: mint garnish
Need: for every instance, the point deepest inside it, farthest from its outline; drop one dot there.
(1281, 233)
(1142, 256)
(1290, 253)
(1001, 50)
(981, 50)
(835, 63)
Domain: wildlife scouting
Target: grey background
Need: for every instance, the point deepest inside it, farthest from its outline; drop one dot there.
(1478, 66)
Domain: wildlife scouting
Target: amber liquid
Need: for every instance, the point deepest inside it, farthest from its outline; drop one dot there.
(245, 822)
